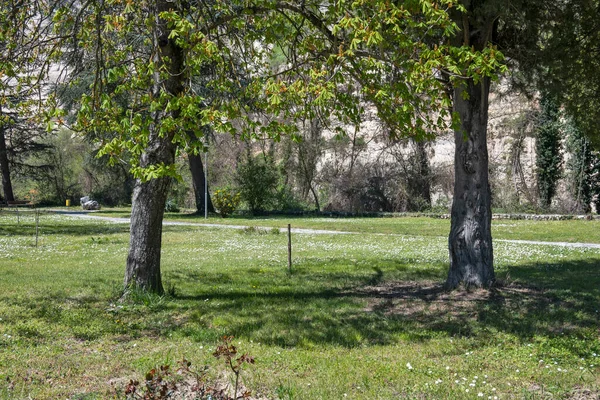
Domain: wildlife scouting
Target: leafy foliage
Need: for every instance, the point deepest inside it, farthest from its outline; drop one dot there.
(569, 57)
(171, 206)
(336, 54)
(226, 201)
(161, 384)
(582, 169)
(548, 151)
(257, 180)
(26, 47)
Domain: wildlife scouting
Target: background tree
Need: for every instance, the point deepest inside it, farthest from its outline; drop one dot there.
(23, 143)
(26, 54)
(309, 151)
(564, 63)
(580, 169)
(569, 61)
(548, 148)
(198, 178)
(257, 179)
(514, 125)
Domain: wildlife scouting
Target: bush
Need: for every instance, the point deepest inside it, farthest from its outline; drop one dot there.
(257, 179)
(171, 206)
(185, 383)
(285, 200)
(226, 201)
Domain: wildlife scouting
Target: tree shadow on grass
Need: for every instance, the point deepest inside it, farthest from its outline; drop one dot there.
(535, 300)
(554, 301)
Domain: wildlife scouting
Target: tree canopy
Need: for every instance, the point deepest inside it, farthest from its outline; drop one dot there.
(162, 73)
(335, 55)
(148, 58)
(570, 61)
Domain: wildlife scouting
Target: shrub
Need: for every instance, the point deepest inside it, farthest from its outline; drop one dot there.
(162, 383)
(171, 206)
(257, 178)
(226, 201)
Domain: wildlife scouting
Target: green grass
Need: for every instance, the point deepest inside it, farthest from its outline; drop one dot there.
(573, 231)
(356, 310)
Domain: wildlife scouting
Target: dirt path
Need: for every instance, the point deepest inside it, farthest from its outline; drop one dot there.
(90, 215)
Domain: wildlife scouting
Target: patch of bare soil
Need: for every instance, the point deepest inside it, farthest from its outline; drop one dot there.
(184, 387)
(402, 297)
(575, 394)
(424, 300)
(584, 394)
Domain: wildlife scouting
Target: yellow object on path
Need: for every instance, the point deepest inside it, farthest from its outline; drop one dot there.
(68, 203)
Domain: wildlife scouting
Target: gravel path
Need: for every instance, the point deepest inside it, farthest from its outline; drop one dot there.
(89, 215)
(565, 244)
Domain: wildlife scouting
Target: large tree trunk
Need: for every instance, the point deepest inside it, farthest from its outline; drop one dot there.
(470, 241)
(198, 180)
(149, 197)
(143, 260)
(5, 168)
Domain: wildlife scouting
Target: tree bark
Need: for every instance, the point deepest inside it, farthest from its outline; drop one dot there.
(420, 183)
(149, 197)
(143, 261)
(5, 168)
(470, 240)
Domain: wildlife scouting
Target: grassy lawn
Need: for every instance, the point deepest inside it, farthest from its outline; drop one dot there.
(573, 231)
(361, 316)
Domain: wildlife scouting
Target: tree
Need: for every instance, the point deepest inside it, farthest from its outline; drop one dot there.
(515, 28)
(26, 52)
(150, 195)
(309, 151)
(548, 151)
(569, 61)
(516, 127)
(564, 64)
(257, 180)
(199, 180)
(580, 169)
(419, 177)
(470, 239)
(145, 125)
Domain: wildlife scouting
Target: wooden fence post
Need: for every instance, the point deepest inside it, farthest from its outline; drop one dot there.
(37, 223)
(290, 248)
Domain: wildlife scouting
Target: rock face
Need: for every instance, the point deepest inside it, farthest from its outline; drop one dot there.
(88, 204)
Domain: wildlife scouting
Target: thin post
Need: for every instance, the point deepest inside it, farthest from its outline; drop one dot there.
(37, 222)
(290, 248)
(18, 216)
